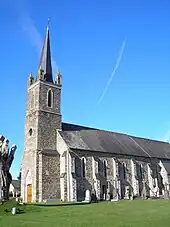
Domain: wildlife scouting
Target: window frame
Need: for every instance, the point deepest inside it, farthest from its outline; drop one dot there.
(105, 168)
(83, 167)
(51, 97)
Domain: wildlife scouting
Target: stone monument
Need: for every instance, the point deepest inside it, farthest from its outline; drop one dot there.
(166, 191)
(115, 195)
(127, 194)
(87, 197)
(144, 192)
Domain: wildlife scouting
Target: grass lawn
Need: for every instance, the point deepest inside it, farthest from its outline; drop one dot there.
(138, 213)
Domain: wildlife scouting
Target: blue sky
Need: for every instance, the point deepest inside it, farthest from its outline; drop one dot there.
(86, 37)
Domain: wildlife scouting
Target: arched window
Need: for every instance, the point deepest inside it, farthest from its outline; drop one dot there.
(104, 168)
(49, 98)
(141, 171)
(100, 166)
(124, 170)
(78, 166)
(114, 168)
(83, 163)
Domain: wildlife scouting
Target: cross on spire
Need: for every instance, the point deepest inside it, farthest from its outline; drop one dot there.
(48, 23)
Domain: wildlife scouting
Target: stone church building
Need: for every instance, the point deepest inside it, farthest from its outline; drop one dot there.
(61, 160)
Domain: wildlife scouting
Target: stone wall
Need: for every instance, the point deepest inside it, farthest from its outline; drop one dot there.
(50, 176)
(63, 176)
(137, 180)
(62, 149)
(29, 165)
(31, 132)
(40, 157)
(47, 130)
(163, 173)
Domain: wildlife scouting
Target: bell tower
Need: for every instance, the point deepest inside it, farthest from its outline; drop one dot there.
(43, 119)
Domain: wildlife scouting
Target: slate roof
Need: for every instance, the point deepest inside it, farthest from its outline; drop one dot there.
(16, 184)
(166, 164)
(85, 138)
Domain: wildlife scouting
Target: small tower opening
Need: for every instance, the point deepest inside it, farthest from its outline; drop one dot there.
(30, 131)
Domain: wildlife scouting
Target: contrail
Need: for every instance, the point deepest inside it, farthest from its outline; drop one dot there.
(31, 31)
(115, 69)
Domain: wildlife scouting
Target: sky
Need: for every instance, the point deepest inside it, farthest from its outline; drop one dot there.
(114, 57)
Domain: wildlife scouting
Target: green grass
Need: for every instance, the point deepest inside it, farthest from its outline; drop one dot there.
(136, 213)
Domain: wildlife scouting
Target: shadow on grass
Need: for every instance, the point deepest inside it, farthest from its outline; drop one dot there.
(18, 211)
(60, 204)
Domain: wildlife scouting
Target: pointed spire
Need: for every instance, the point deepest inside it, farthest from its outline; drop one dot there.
(45, 61)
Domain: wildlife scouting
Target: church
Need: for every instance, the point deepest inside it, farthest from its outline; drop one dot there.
(63, 161)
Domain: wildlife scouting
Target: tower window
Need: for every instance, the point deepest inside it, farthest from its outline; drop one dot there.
(30, 131)
(49, 98)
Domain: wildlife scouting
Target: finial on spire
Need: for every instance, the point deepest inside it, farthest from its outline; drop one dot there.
(41, 73)
(48, 23)
(58, 77)
(30, 79)
(31, 76)
(58, 71)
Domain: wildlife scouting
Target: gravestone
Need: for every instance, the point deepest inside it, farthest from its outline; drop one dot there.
(87, 196)
(93, 197)
(108, 193)
(126, 192)
(144, 193)
(115, 195)
(166, 192)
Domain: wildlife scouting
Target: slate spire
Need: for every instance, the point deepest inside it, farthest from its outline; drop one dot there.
(45, 61)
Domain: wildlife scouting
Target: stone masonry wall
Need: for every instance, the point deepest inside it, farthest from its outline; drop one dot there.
(28, 165)
(62, 149)
(30, 133)
(47, 130)
(115, 177)
(50, 176)
(56, 96)
(41, 126)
